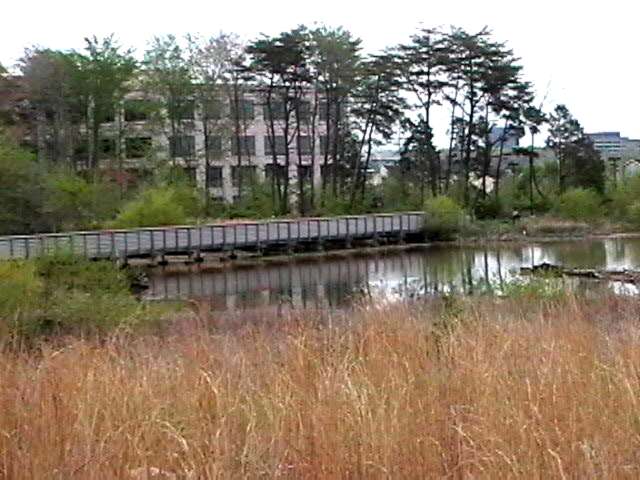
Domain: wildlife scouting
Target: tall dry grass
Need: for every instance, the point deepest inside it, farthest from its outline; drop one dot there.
(465, 389)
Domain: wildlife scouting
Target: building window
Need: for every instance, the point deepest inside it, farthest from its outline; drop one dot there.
(215, 177)
(107, 147)
(184, 109)
(108, 115)
(305, 172)
(280, 171)
(247, 112)
(304, 144)
(304, 110)
(136, 110)
(81, 151)
(191, 174)
(137, 147)
(277, 111)
(278, 143)
(324, 144)
(248, 173)
(214, 146)
(182, 146)
(214, 109)
(326, 172)
(246, 144)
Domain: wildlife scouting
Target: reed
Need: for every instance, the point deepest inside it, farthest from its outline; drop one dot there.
(462, 388)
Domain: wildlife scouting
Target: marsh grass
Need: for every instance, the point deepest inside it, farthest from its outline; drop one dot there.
(464, 388)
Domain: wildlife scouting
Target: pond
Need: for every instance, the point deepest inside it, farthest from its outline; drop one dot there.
(329, 282)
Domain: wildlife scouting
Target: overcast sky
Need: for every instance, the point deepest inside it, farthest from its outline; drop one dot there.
(581, 53)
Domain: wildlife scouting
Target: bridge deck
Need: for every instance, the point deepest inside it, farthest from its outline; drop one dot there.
(143, 242)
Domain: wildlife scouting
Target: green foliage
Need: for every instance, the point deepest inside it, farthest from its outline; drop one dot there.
(65, 294)
(74, 203)
(399, 195)
(488, 208)
(540, 287)
(623, 198)
(580, 204)
(159, 206)
(633, 214)
(444, 217)
(256, 202)
(21, 197)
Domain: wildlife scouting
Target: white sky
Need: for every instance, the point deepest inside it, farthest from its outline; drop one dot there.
(581, 53)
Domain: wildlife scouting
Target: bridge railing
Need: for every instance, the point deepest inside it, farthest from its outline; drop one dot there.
(210, 237)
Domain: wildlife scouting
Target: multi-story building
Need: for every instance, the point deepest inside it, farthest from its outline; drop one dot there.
(222, 151)
(218, 146)
(621, 154)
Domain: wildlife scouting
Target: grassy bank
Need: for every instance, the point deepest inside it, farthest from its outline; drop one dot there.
(539, 228)
(535, 385)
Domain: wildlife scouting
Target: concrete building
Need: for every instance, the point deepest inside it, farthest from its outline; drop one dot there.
(138, 138)
(621, 154)
(136, 141)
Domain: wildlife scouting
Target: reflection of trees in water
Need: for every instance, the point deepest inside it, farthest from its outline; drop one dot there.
(334, 283)
(623, 253)
(586, 254)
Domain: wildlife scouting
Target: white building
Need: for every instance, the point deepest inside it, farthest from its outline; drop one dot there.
(136, 141)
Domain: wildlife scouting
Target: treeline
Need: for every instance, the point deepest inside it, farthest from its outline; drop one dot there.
(314, 84)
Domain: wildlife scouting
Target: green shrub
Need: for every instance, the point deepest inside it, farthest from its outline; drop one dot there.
(489, 208)
(443, 217)
(21, 192)
(633, 214)
(255, 202)
(622, 199)
(65, 294)
(579, 204)
(159, 206)
(74, 203)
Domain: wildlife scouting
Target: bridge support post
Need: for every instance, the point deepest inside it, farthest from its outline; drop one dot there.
(122, 261)
(348, 242)
(197, 257)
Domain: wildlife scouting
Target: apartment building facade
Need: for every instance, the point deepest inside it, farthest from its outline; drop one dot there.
(621, 154)
(218, 147)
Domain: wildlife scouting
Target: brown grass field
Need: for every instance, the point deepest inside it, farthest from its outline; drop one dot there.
(475, 388)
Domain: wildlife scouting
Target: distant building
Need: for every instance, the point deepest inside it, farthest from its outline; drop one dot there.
(621, 154)
(508, 138)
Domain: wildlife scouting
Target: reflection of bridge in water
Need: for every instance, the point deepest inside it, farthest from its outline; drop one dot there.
(331, 282)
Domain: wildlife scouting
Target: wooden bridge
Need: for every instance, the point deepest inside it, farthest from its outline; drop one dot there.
(192, 240)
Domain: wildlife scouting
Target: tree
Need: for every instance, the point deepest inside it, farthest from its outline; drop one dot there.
(336, 60)
(488, 76)
(103, 74)
(214, 67)
(279, 65)
(53, 103)
(564, 129)
(420, 159)
(377, 108)
(422, 67)
(579, 164)
(21, 193)
(169, 83)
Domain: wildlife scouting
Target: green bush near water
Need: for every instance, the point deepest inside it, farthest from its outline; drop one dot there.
(66, 294)
(580, 204)
(444, 218)
(160, 206)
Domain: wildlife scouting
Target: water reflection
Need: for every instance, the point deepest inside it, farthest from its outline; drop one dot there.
(331, 283)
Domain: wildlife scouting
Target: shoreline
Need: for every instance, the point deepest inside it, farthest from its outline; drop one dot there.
(218, 262)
